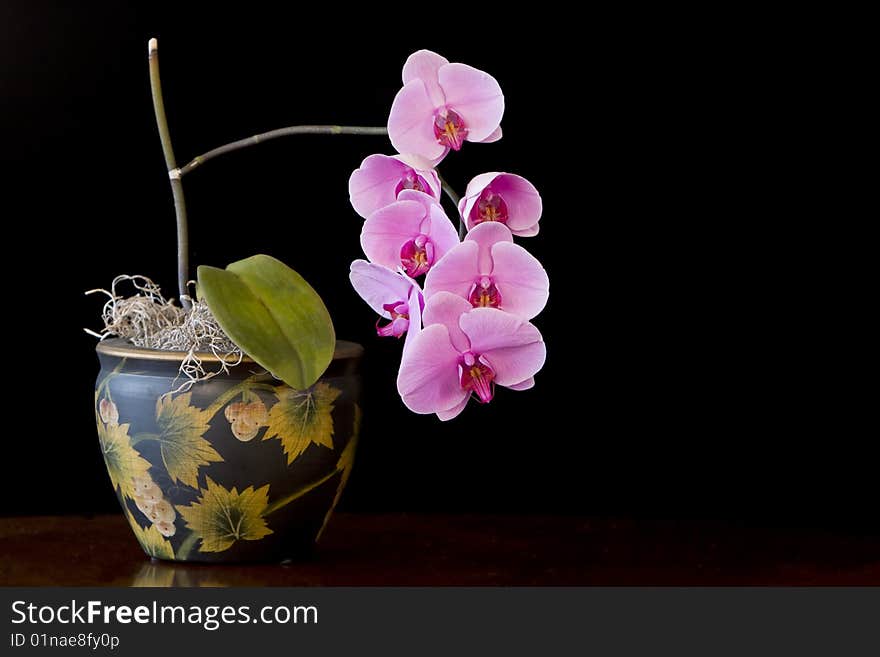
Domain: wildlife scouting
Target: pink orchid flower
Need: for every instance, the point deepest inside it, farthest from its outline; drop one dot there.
(442, 105)
(503, 197)
(465, 351)
(393, 295)
(413, 233)
(489, 270)
(381, 178)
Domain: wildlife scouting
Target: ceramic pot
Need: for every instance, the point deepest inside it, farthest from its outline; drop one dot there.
(240, 467)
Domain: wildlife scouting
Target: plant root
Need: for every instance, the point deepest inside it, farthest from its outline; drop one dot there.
(149, 320)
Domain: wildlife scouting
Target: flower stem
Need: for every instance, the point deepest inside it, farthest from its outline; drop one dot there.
(280, 132)
(171, 164)
(455, 198)
(287, 499)
(175, 174)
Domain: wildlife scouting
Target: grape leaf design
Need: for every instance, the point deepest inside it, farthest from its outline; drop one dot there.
(181, 428)
(220, 517)
(301, 418)
(124, 463)
(153, 543)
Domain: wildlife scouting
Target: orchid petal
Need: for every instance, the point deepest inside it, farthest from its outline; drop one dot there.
(495, 136)
(454, 411)
(480, 182)
(512, 347)
(523, 385)
(490, 328)
(388, 229)
(486, 235)
(378, 285)
(415, 161)
(372, 185)
(524, 284)
(511, 364)
(523, 201)
(423, 199)
(442, 231)
(428, 380)
(528, 232)
(455, 272)
(415, 302)
(411, 123)
(423, 65)
(473, 95)
(446, 309)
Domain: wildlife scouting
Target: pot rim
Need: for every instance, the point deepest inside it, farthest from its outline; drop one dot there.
(124, 349)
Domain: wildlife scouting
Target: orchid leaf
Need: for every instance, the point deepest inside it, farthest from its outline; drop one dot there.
(273, 315)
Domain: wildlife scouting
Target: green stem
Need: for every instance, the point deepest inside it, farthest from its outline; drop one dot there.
(106, 380)
(287, 499)
(455, 198)
(139, 437)
(280, 132)
(173, 174)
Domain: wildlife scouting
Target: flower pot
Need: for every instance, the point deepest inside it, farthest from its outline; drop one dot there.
(240, 467)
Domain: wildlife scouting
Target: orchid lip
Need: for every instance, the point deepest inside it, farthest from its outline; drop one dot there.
(412, 180)
(449, 129)
(491, 207)
(485, 294)
(478, 377)
(417, 256)
(399, 324)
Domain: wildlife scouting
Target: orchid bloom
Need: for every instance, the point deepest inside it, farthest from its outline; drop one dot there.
(380, 179)
(413, 233)
(442, 105)
(503, 197)
(489, 270)
(393, 295)
(465, 351)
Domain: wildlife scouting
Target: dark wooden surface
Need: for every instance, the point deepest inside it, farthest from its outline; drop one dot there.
(401, 549)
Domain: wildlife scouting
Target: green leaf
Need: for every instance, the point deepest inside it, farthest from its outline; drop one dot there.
(220, 517)
(273, 315)
(302, 417)
(183, 448)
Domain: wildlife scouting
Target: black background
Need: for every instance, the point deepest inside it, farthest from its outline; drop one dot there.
(685, 367)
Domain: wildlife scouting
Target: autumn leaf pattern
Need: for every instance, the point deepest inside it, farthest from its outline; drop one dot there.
(183, 448)
(151, 540)
(124, 463)
(220, 517)
(301, 418)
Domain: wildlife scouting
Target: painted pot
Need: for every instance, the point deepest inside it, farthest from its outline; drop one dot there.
(240, 467)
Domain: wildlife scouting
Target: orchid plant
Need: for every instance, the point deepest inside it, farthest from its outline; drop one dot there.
(463, 297)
